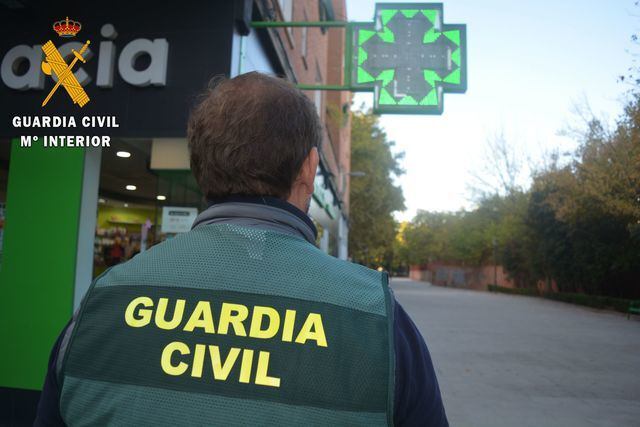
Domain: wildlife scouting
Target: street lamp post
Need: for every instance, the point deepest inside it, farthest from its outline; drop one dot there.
(354, 174)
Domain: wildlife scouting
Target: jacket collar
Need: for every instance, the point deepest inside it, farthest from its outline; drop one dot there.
(263, 212)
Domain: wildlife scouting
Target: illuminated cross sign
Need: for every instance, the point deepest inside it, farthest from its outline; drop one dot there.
(409, 58)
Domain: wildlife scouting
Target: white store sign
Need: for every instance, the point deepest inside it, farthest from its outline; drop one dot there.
(177, 219)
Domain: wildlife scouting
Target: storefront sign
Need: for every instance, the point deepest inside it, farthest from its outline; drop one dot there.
(154, 74)
(145, 63)
(177, 220)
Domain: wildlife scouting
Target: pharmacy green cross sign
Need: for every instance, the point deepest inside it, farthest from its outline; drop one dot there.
(409, 58)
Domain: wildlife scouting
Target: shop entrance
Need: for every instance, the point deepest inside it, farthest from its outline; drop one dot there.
(140, 205)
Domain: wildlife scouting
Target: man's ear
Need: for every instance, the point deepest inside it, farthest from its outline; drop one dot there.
(309, 168)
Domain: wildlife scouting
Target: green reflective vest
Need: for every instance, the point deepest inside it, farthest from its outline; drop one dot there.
(228, 325)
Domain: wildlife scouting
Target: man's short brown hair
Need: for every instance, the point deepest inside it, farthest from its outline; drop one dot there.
(250, 135)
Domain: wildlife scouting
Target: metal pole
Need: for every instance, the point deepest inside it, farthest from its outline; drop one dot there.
(495, 262)
(348, 35)
(302, 86)
(281, 24)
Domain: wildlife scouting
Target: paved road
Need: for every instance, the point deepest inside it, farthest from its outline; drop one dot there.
(506, 360)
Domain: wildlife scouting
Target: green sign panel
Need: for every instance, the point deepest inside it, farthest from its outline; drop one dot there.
(409, 58)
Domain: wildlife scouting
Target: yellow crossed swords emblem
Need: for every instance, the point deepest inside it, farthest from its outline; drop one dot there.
(64, 72)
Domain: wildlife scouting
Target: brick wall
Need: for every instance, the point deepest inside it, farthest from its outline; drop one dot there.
(322, 62)
(444, 274)
(479, 278)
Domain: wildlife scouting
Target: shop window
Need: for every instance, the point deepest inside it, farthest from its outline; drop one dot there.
(139, 206)
(317, 95)
(286, 6)
(322, 15)
(303, 42)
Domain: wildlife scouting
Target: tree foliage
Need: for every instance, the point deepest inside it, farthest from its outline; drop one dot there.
(578, 225)
(595, 201)
(374, 196)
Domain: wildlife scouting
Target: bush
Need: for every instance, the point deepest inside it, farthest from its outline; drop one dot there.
(515, 291)
(594, 301)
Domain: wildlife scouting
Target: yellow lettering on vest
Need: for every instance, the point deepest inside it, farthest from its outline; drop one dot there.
(262, 377)
(259, 312)
(143, 315)
(201, 318)
(198, 360)
(222, 369)
(245, 367)
(161, 313)
(287, 329)
(167, 353)
(312, 330)
(233, 314)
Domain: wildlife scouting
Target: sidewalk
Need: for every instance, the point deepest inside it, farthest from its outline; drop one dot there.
(506, 360)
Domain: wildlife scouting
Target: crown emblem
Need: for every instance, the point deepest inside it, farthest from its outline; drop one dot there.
(67, 28)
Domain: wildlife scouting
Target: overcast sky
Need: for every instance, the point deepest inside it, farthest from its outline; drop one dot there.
(529, 62)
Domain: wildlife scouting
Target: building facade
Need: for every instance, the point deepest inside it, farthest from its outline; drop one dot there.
(316, 56)
(67, 214)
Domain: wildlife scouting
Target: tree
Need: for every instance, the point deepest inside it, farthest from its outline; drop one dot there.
(586, 216)
(425, 237)
(501, 168)
(459, 237)
(578, 224)
(374, 197)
